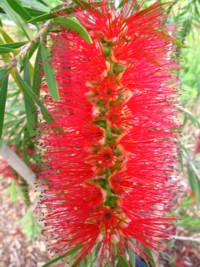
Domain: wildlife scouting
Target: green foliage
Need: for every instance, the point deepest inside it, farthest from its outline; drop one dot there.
(13, 191)
(30, 226)
(49, 73)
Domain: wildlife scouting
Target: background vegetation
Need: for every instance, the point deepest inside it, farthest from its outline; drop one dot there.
(24, 25)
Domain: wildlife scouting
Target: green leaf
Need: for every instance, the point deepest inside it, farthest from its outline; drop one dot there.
(6, 37)
(123, 261)
(14, 45)
(5, 50)
(13, 191)
(37, 5)
(49, 73)
(34, 12)
(150, 256)
(193, 180)
(33, 48)
(168, 38)
(193, 119)
(33, 99)
(83, 4)
(31, 110)
(73, 25)
(51, 15)
(19, 9)
(62, 256)
(151, 8)
(3, 96)
(3, 73)
(9, 47)
(15, 17)
(30, 226)
(37, 79)
(132, 257)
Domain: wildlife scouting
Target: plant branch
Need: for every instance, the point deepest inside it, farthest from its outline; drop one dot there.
(17, 164)
(26, 47)
(187, 238)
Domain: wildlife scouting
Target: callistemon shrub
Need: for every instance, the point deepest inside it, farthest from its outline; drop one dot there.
(110, 154)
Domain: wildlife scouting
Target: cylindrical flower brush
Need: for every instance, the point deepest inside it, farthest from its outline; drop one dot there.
(111, 152)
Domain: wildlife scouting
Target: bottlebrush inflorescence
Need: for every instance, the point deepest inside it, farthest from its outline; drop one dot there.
(110, 154)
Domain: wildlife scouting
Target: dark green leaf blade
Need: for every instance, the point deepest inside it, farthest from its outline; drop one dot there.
(19, 9)
(49, 73)
(73, 25)
(5, 50)
(123, 261)
(34, 12)
(62, 256)
(37, 79)
(9, 47)
(14, 45)
(3, 96)
(33, 99)
(31, 110)
(150, 256)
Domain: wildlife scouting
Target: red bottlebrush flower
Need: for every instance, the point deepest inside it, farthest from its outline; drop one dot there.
(109, 169)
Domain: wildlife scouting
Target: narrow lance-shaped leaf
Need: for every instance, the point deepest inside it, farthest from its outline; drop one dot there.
(52, 14)
(3, 96)
(37, 5)
(49, 73)
(5, 50)
(27, 90)
(152, 8)
(31, 110)
(73, 25)
(18, 7)
(14, 45)
(6, 37)
(36, 75)
(62, 256)
(150, 255)
(123, 261)
(9, 47)
(15, 17)
(34, 12)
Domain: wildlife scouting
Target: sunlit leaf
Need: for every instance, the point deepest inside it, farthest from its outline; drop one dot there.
(73, 25)
(17, 6)
(51, 15)
(6, 37)
(15, 17)
(35, 5)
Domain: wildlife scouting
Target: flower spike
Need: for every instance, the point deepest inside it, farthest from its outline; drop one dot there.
(109, 170)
